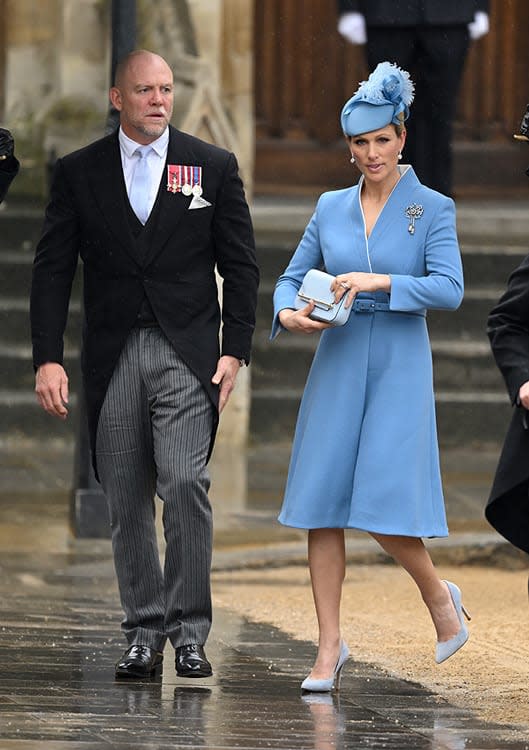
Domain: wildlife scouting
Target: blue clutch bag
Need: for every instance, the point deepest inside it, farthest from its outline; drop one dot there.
(316, 286)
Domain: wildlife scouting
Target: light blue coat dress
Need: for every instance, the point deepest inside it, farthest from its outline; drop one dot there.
(365, 452)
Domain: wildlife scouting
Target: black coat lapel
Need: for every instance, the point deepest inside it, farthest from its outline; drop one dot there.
(170, 207)
(105, 177)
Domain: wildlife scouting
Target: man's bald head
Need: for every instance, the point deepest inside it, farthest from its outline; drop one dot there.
(143, 95)
(134, 59)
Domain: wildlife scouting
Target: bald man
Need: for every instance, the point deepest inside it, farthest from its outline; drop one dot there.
(152, 212)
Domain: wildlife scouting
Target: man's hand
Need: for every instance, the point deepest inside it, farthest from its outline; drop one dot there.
(298, 321)
(523, 395)
(7, 144)
(225, 376)
(51, 387)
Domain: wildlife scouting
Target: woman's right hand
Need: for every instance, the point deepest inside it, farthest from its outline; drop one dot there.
(298, 321)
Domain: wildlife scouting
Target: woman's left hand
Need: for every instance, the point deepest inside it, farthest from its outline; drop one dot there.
(356, 281)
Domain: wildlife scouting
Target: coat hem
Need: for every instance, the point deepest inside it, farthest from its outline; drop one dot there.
(364, 527)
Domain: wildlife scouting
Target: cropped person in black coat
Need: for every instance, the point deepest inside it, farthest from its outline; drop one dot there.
(508, 330)
(9, 165)
(153, 213)
(430, 38)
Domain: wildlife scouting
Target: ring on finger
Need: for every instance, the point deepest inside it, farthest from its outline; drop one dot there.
(344, 284)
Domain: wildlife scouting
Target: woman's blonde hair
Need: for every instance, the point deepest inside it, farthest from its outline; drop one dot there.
(399, 128)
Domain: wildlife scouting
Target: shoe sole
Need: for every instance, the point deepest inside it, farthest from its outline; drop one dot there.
(194, 674)
(139, 675)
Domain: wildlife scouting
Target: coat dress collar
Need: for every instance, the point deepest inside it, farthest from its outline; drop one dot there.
(401, 195)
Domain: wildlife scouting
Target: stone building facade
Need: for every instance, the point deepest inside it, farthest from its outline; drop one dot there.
(55, 72)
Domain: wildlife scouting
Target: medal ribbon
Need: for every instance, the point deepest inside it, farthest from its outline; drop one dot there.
(179, 175)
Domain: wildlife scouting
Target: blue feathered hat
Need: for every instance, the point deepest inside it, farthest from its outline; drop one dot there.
(383, 99)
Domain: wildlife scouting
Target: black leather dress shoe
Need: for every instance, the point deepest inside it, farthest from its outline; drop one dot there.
(191, 661)
(138, 662)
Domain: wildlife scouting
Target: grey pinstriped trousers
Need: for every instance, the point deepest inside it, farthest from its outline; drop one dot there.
(153, 437)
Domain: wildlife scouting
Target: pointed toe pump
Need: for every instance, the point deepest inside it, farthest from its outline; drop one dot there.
(329, 684)
(445, 649)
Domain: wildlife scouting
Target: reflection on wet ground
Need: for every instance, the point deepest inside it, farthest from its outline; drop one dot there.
(58, 646)
(57, 691)
(59, 639)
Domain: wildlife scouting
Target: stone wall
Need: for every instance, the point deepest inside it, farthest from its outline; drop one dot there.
(57, 63)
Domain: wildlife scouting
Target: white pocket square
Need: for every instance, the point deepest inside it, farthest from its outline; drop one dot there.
(199, 202)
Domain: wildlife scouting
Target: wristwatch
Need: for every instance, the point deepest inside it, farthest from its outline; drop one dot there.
(242, 362)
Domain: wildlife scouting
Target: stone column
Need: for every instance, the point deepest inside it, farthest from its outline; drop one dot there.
(237, 79)
(223, 30)
(31, 28)
(84, 63)
(55, 50)
(30, 62)
(224, 34)
(207, 22)
(76, 116)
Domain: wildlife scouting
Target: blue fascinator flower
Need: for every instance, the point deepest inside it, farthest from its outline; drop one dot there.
(383, 99)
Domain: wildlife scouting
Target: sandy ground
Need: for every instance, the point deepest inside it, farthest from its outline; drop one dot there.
(386, 624)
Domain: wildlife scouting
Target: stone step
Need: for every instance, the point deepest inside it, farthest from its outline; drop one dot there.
(484, 265)
(467, 365)
(285, 219)
(23, 417)
(472, 403)
(464, 419)
(487, 272)
(284, 363)
(468, 420)
(490, 266)
(20, 228)
(15, 328)
(15, 274)
(483, 220)
(467, 323)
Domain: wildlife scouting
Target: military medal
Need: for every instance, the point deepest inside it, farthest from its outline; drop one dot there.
(413, 212)
(174, 178)
(185, 179)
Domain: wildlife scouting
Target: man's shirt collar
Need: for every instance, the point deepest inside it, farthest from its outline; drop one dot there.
(159, 145)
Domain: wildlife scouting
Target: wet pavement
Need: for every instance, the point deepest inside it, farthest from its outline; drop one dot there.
(59, 639)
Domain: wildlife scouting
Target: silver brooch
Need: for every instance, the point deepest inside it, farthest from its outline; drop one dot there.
(413, 212)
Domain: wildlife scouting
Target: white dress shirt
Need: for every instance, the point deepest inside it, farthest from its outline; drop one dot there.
(156, 160)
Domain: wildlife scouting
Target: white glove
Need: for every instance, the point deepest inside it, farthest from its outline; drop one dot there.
(479, 26)
(353, 27)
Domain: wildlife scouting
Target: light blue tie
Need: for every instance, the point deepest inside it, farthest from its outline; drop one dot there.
(141, 185)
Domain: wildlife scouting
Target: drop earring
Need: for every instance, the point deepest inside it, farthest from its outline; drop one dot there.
(399, 156)
(352, 160)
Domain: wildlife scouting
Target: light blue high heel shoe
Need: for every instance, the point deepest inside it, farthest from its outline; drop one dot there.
(331, 683)
(445, 649)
